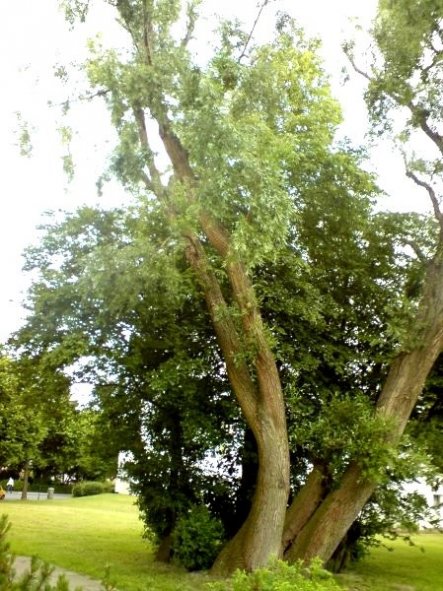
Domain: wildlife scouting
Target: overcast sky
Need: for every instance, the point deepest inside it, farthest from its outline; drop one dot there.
(34, 38)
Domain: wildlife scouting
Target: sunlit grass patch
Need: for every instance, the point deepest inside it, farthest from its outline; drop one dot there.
(86, 534)
(404, 568)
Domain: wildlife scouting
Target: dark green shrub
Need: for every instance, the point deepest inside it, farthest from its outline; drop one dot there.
(85, 489)
(197, 538)
(280, 577)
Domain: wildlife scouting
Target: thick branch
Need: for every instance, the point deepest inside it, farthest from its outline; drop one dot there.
(243, 292)
(176, 151)
(227, 337)
(303, 506)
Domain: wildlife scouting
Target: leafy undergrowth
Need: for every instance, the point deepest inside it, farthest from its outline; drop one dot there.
(280, 577)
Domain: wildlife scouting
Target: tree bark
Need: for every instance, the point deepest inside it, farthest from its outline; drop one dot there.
(303, 507)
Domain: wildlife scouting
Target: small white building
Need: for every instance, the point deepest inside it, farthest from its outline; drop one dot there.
(433, 496)
(122, 484)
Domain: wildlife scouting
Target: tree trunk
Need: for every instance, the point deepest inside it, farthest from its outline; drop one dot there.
(24, 496)
(164, 549)
(303, 507)
(259, 538)
(326, 528)
(406, 379)
(249, 470)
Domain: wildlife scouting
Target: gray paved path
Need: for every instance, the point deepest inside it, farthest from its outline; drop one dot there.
(22, 564)
(32, 496)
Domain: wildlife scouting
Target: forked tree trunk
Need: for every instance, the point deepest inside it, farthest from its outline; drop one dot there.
(261, 399)
(406, 379)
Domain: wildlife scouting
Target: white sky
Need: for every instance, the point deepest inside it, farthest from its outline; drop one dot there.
(33, 37)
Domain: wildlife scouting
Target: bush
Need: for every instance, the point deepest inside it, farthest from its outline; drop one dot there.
(280, 577)
(85, 489)
(197, 538)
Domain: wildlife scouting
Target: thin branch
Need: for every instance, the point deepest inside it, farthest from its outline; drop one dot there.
(347, 52)
(102, 92)
(251, 33)
(418, 251)
(190, 25)
(438, 55)
(433, 196)
(147, 34)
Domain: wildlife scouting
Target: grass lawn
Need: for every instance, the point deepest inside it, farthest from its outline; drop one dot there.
(406, 568)
(86, 534)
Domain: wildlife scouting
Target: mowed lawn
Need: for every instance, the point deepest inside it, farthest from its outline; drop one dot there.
(88, 533)
(405, 568)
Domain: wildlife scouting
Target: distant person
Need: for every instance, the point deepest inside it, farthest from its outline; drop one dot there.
(10, 485)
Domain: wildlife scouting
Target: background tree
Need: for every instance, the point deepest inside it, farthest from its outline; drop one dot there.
(31, 399)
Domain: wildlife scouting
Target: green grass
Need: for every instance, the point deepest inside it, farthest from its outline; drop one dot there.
(404, 568)
(86, 534)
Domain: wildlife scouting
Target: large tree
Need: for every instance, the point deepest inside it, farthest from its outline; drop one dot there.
(249, 141)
